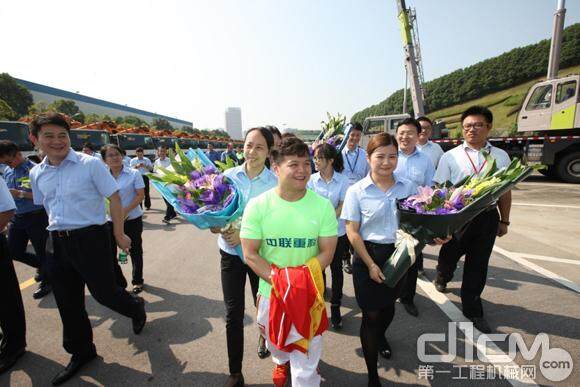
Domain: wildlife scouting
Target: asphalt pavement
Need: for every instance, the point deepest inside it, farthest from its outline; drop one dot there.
(532, 289)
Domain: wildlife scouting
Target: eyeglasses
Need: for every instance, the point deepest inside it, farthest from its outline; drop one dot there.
(475, 125)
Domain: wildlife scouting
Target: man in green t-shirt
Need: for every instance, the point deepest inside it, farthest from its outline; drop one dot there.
(286, 226)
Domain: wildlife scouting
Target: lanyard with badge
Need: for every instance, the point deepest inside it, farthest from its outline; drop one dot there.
(475, 169)
(352, 167)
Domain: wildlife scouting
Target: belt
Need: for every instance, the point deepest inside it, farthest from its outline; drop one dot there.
(36, 212)
(75, 232)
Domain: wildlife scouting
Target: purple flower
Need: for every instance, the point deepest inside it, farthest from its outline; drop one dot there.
(209, 170)
(195, 175)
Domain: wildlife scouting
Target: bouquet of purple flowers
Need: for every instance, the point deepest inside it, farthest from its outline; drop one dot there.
(197, 190)
(440, 211)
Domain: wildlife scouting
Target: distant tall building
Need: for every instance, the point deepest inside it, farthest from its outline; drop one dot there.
(234, 122)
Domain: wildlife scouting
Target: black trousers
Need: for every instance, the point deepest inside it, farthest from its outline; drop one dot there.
(233, 272)
(29, 227)
(409, 288)
(147, 197)
(134, 230)
(12, 321)
(336, 270)
(476, 243)
(169, 211)
(78, 260)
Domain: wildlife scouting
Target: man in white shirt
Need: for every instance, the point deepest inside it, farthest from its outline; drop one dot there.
(356, 167)
(164, 162)
(145, 166)
(477, 239)
(425, 145)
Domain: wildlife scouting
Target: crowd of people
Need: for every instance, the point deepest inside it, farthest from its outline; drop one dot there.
(79, 210)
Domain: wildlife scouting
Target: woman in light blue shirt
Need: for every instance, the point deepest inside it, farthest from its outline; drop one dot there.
(331, 184)
(252, 178)
(131, 189)
(370, 213)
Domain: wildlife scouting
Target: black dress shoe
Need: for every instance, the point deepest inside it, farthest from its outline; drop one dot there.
(385, 350)
(9, 359)
(411, 308)
(71, 369)
(347, 267)
(481, 324)
(440, 286)
(38, 276)
(42, 291)
(262, 350)
(235, 380)
(139, 322)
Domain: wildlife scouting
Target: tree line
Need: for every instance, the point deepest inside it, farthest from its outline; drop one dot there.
(491, 75)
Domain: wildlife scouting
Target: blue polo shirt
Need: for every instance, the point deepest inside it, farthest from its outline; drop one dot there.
(249, 188)
(375, 210)
(12, 176)
(73, 193)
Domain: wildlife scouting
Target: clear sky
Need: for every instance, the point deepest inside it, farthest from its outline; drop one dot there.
(284, 62)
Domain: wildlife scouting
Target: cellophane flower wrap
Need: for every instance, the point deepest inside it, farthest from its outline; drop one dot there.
(198, 190)
(335, 132)
(442, 210)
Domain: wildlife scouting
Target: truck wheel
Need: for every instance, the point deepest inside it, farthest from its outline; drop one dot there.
(548, 172)
(568, 168)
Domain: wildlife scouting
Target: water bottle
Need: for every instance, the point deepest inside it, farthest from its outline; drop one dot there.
(122, 257)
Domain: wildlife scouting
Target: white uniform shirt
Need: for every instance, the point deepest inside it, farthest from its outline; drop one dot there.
(463, 161)
(433, 150)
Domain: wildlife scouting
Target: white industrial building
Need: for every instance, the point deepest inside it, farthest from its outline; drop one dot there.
(90, 105)
(234, 123)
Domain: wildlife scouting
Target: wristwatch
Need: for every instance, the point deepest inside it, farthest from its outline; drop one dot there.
(505, 222)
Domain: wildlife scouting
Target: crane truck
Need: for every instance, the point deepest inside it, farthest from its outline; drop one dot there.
(548, 121)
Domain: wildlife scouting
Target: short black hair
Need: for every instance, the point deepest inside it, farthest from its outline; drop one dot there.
(478, 110)
(291, 146)
(139, 150)
(266, 133)
(162, 147)
(410, 121)
(8, 148)
(426, 119)
(50, 118)
(89, 145)
(357, 126)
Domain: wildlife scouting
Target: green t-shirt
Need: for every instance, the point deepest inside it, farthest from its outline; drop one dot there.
(289, 231)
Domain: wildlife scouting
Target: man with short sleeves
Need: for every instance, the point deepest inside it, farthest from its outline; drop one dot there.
(415, 166)
(164, 162)
(73, 187)
(425, 145)
(356, 167)
(477, 239)
(268, 238)
(229, 152)
(144, 166)
(12, 320)
(30, 221)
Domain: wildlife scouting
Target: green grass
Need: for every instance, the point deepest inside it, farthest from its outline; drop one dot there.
(503, 104)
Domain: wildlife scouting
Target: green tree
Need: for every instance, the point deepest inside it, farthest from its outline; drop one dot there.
(187, 129)
(134, 121)
(65, 106)
(6, 112)
(37, 108)
(162, 124)
(16, 96)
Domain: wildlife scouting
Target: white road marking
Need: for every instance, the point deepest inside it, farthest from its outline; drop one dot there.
(456, 315)
(545, 205)
(549, 259)
(516, 257)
